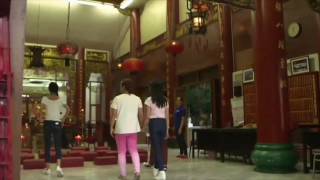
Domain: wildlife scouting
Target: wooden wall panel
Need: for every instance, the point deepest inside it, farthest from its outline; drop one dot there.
(250, 103)
(303, 100)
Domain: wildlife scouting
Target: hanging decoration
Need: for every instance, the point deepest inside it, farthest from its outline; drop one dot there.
(198, 16)
(174, 48)
(133, 65)
(315, 5)
(37, 51)
(37, 60)
(67, 49)
(246, 4)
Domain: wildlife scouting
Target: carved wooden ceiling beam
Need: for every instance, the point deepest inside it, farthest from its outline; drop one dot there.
(111, 1)
(246, 4)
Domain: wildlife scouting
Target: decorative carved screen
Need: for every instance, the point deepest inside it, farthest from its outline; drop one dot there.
(303, 98)
(250, 103)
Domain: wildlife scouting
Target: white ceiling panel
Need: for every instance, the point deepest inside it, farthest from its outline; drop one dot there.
(90, 27)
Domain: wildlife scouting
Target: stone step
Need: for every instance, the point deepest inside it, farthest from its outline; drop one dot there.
(105, 160)
(72, 162)
(34, 164)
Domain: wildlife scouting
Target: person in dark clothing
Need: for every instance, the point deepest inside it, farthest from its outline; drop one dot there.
(179, 125)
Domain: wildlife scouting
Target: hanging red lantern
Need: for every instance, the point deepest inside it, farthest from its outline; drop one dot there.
(133, 65)
(67, 49)
(174, 48)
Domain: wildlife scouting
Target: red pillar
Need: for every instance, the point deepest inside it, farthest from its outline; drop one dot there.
(171, 61)
(274, 152)
(108, 91)
(17, 34)
(6, 112)
(80, 86)
(135, 33)
(226, 56)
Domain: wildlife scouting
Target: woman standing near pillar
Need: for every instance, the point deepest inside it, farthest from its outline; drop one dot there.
(157, 116)
(126, 113)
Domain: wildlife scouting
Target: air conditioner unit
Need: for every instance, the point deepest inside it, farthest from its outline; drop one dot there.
(314, 62)
(237, 83)
(289, 72)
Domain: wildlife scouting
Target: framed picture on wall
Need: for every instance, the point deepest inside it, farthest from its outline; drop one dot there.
(248, 75)
(300, 65)
(96, 55)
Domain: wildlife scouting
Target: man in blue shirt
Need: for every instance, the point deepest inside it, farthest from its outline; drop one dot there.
(179, 124)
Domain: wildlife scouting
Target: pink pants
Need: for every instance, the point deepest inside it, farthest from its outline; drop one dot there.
(128, 142)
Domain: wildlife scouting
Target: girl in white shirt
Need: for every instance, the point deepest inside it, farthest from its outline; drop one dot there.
(126, 113)
(53, 105)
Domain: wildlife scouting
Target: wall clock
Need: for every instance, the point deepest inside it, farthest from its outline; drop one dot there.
(294, 30)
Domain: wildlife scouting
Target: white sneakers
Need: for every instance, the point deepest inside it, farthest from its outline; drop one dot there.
(47, 171)
(59, 172)
(161, 175)
(155, 172)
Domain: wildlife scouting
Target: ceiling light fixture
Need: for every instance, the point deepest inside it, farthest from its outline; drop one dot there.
(91, 3)
(126, 3)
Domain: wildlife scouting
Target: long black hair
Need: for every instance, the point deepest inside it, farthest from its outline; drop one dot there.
(157, 94)
(53, 88)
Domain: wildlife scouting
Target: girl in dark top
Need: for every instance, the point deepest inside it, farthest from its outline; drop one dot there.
(179, 124)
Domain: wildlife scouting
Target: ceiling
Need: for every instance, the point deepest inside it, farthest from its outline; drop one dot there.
(90, 27)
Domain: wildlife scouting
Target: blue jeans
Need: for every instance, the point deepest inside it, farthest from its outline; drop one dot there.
(158, 128)
(52, 128)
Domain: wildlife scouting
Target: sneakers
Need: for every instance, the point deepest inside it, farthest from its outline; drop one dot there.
(146, 164)
(184, 157)
(122, 177)
(155, 172)
(136, 177)
(59, 172)
(161, 175)
(47, 171)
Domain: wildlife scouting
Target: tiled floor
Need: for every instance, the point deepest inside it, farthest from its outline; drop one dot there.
(196, 169)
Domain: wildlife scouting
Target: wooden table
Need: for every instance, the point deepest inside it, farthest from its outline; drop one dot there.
(234, 141)
(310, 141)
